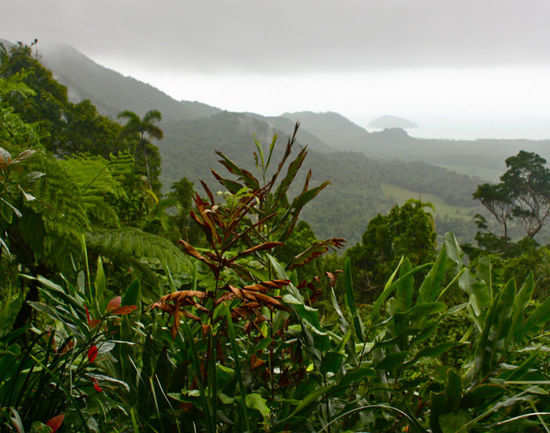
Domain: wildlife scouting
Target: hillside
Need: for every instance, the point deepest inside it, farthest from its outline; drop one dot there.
(110, 90)
(355, 194)
(284, 124)
(337, 131)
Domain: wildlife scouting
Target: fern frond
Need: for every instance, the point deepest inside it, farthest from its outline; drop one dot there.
(134, 243)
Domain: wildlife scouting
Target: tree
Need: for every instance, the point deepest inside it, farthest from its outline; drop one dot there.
(65, 128)
(523, 194)
(182, 191)
(408, 230)
(497, 200)
(143, 130)
(528, 181)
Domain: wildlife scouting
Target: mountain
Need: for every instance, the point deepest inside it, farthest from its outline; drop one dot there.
(390, 122)
(111, 91)
(193, 131)
(6, 43)
(337, 131)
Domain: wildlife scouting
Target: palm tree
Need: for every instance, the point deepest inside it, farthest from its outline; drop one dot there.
(144, 129)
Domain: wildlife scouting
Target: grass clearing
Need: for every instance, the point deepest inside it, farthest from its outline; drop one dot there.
(442, 209)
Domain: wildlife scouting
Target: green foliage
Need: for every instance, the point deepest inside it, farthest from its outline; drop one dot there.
(182, 192)
(55, 372)
(407, 230)
(64, 127)
(139, 133)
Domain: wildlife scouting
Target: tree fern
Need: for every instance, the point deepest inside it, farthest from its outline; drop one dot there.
(94, 182)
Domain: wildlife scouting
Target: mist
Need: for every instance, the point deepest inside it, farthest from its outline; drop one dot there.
(463, 69)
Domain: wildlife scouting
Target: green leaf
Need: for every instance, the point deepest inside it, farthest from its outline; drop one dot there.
(520, 303)
(404, 287)
(224, 376)
(305, 197)
(420, 311)
(257, 402)
(454, 252)
(234, 349)
(537, 318)
(481, 297)
(453, 390)
(504, 312)
(100, 282)
(388, 289)
(232, 186)
(292, 171)
(332, 362)
(433, 282)
(39, 427)
(454, 422)
(392, 361)
(350, 301)
(243, 174)
(260, 151)
(131, 297)
(432, 352)
(482, 395)
(485, 273)
(33, 231)
(357, 375)
(278, 268)
(271, 147)
(311, 398)
(337, 308)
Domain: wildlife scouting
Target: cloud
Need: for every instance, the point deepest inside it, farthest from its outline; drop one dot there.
(290, 36)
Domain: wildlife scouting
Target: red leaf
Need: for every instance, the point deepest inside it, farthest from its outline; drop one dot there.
(88, 314)
(256, 362)
(55, 422)
(96, 386)
(186, 406)
(114, 303)
(92, 323)
(68, 346)
(92, 353)
(125, 309)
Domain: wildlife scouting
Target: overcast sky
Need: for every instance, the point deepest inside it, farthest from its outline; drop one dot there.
(456, 67)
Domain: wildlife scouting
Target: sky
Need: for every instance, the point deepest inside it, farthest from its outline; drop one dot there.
(457, 68)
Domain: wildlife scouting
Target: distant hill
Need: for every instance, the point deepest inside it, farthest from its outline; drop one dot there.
(337, 131)
(389, 122)
(483, 158)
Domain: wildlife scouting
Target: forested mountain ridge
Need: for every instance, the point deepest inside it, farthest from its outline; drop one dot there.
(194, 131)
(337, 131)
